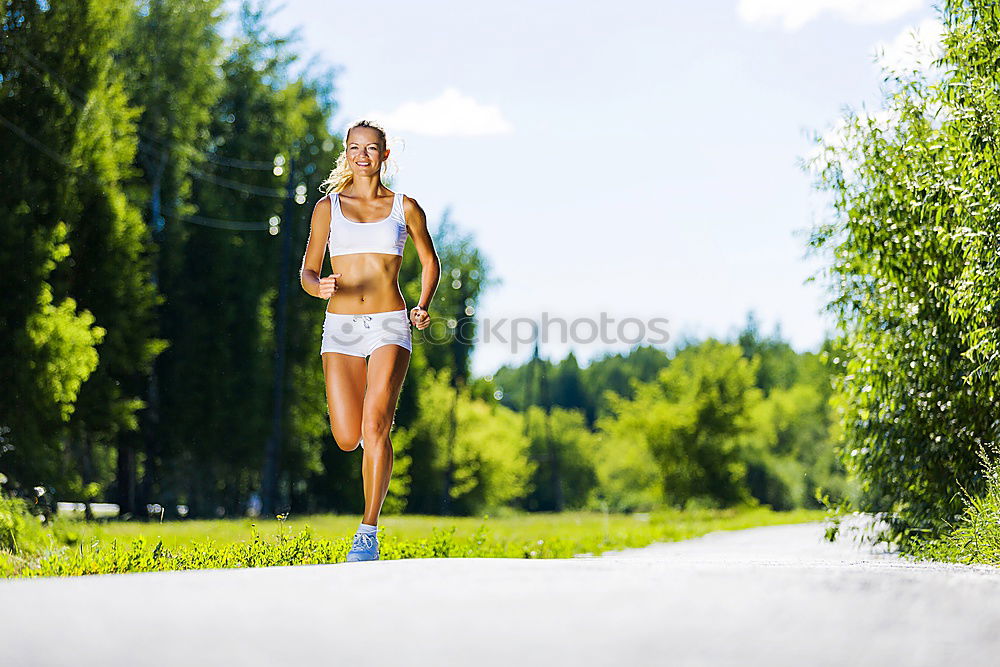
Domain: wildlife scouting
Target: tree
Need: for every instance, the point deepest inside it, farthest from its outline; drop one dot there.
(488, 453)
(63, 208)
(446, 344)
(912, 234)
(168, 57)
(691, 419)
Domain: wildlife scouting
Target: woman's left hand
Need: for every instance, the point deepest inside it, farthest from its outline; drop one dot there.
(420, 317)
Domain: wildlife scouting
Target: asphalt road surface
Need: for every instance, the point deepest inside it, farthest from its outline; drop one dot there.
(765, 596)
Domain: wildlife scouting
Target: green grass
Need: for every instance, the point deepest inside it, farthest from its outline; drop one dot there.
(975, 537)
(77, 547)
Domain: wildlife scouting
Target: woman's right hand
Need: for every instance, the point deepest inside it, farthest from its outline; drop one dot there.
(328, 285)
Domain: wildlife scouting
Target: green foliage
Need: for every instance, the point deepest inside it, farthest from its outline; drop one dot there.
(779, 366)
(103, 224)
(64, 112)
(562, 449)
(214, 402)
(791, 452)
(913, 238)
(704, 433)
(480, 446)
(782, 449)
(447, 344)
(975, 536)
(574, 388)
(690, 419)
(21, 531)
(791, 447)
(628, 477)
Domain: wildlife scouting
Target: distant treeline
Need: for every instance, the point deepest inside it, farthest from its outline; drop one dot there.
(711, 424)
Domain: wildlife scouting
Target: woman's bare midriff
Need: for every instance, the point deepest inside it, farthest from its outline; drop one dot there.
(369, 283)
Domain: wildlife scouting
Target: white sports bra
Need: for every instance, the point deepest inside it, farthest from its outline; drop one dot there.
(384, 236)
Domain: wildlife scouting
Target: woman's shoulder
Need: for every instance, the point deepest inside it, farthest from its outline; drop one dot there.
(412, 211)
(323, 205)
(409, 202)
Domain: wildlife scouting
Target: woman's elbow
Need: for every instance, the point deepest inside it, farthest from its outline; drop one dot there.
(306, 278)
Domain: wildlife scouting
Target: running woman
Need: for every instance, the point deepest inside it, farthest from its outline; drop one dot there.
(365, 226)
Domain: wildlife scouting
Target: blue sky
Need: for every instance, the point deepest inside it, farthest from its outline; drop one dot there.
(632, 158)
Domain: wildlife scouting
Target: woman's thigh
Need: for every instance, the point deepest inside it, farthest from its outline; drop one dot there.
(345, 392)
(387, 367)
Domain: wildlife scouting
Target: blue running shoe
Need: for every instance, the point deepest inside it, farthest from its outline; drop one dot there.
(364, 547)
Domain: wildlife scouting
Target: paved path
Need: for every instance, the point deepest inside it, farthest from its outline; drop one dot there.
(765, 596)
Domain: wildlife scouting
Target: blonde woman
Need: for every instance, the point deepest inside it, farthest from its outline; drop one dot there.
(364, 226)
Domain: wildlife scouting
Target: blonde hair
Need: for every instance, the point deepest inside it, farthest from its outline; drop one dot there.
(341, 176)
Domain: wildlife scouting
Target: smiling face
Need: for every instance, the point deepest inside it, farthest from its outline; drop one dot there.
(365, 151)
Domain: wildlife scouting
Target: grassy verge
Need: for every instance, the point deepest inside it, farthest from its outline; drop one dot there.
(975, 539)
(76, 547)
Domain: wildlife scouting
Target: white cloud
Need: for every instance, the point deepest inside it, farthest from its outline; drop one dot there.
(793, 14)
(450, 114)
(915, 48)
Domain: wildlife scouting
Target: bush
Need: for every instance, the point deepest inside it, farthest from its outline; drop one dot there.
(21, 531)
(914, 278)
(975, 538)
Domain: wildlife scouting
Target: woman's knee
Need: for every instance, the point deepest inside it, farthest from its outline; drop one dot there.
(346, 439)
(376, 427)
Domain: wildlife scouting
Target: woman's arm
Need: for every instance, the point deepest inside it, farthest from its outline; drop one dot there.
(416, 223)
(312, 261)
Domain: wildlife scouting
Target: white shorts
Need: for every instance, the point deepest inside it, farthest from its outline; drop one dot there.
(359, 335)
